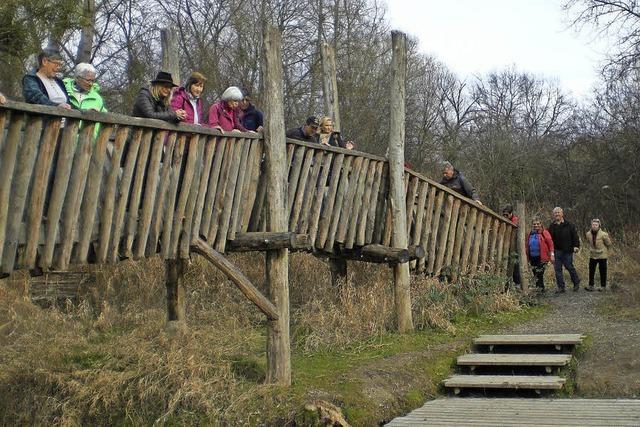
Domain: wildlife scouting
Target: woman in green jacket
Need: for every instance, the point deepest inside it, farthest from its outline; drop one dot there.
(598, 242)
(83, 91)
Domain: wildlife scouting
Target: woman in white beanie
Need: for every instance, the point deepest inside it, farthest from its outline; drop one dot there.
(224, 114)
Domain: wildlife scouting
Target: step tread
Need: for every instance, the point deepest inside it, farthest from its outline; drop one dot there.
(491, 359)
(505, 381)
(534, 339)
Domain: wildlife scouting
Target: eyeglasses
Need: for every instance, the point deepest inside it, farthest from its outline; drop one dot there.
(87, 80)
(56, 62)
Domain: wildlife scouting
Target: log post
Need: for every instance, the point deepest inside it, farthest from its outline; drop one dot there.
(338, 268)
(521, 244)
(397, 195)
(170, 53)
(277, 261)
(174, 274)
(330, 84)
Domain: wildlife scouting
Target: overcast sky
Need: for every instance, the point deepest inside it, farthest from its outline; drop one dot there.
(478, 36)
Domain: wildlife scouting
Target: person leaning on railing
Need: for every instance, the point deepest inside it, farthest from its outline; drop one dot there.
(224, 114)
(42, 86)
(333, 138)
(83, 91)
(153, 102)
(2, 98)
(455, 180)
(188, 98)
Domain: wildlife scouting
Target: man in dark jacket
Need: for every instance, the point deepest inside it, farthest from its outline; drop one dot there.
(456, 181)
(42, 86)
(308, 132)
(566, 243)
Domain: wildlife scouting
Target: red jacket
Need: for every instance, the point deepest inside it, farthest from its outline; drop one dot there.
(546, 245)
(180, 101)
(221, 115)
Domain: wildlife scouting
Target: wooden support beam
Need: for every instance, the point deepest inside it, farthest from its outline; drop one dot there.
(237, 277)
(396, 175)
(338, 268)
(330, 85)
(521, 246)
(277, 268)
(382, 254)
(264, 241)
(174, 280)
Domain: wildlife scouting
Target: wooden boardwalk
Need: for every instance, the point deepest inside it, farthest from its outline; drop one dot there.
(523, 412)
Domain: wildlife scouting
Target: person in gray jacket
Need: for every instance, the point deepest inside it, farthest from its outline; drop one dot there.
(455, 180)
(154, 102)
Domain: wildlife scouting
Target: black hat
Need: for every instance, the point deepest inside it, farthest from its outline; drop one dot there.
(312, 121)
(164, 77)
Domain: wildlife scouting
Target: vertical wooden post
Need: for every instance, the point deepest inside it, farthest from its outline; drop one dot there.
(521, 244)
(170, 53)
(175, 293)
(397, 195)
(277, 268)
(330, 85)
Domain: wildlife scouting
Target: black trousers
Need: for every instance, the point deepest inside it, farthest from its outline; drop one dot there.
(538, 271)
(602, 265)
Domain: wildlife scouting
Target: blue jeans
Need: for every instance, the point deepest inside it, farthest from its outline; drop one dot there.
(565, 259)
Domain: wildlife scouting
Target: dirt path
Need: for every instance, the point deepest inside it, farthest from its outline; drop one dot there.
(610, 364)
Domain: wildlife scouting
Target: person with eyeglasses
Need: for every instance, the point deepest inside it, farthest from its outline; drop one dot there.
(83, 91)
(43, 86)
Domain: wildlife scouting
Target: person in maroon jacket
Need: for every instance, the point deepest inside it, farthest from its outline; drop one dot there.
(539, 251)
(224, 114)
(188, 98)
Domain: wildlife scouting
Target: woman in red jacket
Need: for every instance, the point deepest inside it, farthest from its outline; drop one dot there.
(224, 114)
(188, 98)
(539, 251)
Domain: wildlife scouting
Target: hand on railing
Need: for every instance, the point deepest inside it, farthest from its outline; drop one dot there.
(65, 106)
(181, 114)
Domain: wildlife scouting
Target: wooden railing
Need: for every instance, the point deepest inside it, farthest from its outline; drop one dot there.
(139, 187)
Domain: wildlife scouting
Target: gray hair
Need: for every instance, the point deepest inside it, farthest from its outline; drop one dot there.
(557, 209)
(232, 93)
(82, 69)
(447, 165)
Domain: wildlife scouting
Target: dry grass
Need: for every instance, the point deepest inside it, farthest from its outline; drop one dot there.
(109, 359)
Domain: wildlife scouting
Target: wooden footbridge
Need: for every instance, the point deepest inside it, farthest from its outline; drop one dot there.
(139, 188)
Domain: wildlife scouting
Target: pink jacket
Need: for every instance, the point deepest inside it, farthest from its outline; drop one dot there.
(180, 101)
(223, 116)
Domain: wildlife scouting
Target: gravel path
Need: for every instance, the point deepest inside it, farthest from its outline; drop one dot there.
(610, 366)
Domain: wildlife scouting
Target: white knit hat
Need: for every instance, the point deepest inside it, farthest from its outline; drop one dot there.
(233, 93)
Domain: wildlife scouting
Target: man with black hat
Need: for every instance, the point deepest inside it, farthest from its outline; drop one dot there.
(154, 102)
(308, 132)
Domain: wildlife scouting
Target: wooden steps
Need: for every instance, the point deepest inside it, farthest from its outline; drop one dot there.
(515, 363)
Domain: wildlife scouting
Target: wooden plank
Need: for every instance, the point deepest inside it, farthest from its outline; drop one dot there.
(9, 154)
(492, 359)
(368, 201)
(547, 382)
(153, 175)
(485, 254)
(379, 220)
(221, 238)
(325, 219)
(530, 339)
(39, 190)
(222, 148)
(257, 221)
(169, 215)
(109, 200)
(294, 177)
(452, 240)
(218, 202)
(411, 201)
(499, 250)
(346, 190)
(491, 255)
(435, 226)
(321, 190)
(75, 191)
(207, 164)
(444, 235)
(470, 235)
(358, 226)
(313, 188)
(187, 235)
(356, 189)
(92, 193)
(19, 188)
(60, 183)
(5, 115)
(183, 196)
(377, 198)
(249, 194)
(414, 238)
(457, 247)
(164, 186)
(301, 193)
(477, 243)
(140, 175)
(240, 186)
(427, 228)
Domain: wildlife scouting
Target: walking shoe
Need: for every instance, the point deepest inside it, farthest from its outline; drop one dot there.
(560, 291)
(588, 288)
(602, 289)
(576, 288)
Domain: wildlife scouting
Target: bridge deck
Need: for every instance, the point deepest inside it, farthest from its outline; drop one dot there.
(523, 412)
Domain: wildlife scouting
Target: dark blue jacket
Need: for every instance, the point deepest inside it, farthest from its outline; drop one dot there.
(34, 91)
(460, 184)
(252, 118)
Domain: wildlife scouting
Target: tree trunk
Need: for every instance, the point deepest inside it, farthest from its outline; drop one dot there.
(170, 53)
(85, 46)
(522, 245)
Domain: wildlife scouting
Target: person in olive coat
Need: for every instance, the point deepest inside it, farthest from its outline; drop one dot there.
(598, 242)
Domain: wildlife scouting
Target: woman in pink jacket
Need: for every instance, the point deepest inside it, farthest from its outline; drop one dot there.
(187, 98)
(224, 114)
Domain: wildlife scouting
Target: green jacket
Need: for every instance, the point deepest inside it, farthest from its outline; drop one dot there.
(91, 100)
